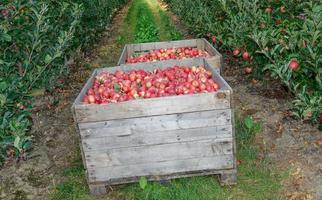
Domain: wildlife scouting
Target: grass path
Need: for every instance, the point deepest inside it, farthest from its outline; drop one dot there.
(257, 178)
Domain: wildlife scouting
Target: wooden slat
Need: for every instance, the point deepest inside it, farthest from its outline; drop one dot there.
(158, 153)
(200, 44)
(168, 176)
(214, 52)
(139, 138)
(166, 44)
(153, 106)
(124, 55)
(124, 127)
(112, 175)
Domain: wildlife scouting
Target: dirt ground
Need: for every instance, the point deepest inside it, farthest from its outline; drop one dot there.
(290, 144)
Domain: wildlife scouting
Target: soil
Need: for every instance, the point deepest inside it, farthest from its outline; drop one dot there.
(290, 144)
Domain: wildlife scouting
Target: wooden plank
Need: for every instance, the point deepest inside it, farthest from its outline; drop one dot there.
(165, 177)
(123, 56)
(139, 138)
(166, 44)
(113, 175)
(228, 178)
(152, 107)
(200, 44)
(214, 52)
(129, 50)
(126, 127)
(158, 153)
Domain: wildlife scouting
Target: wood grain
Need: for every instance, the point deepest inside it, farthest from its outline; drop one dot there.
(138, 138)
(176, 121)
(113, 175)
(158, 153)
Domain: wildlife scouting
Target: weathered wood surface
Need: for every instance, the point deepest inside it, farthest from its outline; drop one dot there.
(137, 138)
(166, 44)
(228, 177)
(97, 190)
(152, 107)
(168, 176)
(126, 127)
(107, 174)
(146, 154)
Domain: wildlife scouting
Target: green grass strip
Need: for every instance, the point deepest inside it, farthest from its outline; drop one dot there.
(145, 30)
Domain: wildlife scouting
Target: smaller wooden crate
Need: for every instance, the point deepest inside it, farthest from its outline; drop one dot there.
(202, 44)
(159, 138)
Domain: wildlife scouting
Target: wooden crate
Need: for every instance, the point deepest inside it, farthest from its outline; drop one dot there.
(215, 57)
(159, 138)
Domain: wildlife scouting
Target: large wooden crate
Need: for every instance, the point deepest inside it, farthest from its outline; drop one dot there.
(159, 138)
(215, 57)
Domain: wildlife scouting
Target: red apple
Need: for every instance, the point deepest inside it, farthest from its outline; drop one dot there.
(294, 65)
(246, 56)
(247, 70)
(214, 39)
(269, 10)
(236, 52)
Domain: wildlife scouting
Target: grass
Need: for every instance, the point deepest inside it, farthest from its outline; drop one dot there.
(166, 29)
(257, 178)
(75, 185)
(145, 29)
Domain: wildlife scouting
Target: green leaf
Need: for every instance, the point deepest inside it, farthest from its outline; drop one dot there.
(143, 182)
(117, 87)
(3, 100)
(48, 59)
(37, 92)
(27, 145)
(5, 37)
(257, 127)
(249, 122)
(16, 143)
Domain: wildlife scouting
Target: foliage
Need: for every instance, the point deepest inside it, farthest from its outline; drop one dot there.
(274, 32)
(146, 30)
(171, 32)
(75, 187)
(37, 38)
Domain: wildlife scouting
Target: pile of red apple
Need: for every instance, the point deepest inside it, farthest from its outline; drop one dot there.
(140, 84)
(166, 54)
